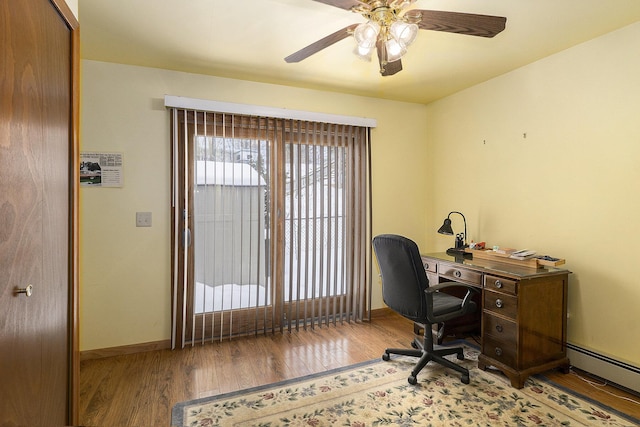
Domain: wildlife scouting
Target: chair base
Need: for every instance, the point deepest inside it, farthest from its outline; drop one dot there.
(426, 352)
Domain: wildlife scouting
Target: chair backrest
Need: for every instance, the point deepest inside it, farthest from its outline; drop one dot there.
(403, 277)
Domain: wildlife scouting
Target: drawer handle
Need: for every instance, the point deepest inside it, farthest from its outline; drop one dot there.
(498, 284)
(457, 274)
(499, 303)
(499, 328)
(498, 351)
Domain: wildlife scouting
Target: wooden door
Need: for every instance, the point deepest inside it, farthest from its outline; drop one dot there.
(38, 200)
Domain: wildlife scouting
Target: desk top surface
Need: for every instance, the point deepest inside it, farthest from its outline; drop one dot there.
(489, 266)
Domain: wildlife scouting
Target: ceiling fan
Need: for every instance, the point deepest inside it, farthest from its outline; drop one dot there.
(390, 29)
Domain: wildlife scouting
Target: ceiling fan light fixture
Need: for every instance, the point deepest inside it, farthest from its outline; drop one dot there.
(363, 53)
(366, 34)
(395, 49)
(405, 33)
(391, 27)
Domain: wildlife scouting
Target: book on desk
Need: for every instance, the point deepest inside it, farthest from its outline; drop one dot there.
(523, 257)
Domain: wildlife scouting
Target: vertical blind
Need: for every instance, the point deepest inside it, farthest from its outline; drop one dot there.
(271, 225)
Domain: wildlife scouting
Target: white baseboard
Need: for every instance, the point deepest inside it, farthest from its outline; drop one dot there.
(621, 373)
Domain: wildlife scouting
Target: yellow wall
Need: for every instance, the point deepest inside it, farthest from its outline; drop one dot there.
(125, 271)
(570, 189)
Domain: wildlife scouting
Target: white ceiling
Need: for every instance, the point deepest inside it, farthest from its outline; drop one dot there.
(248, 39)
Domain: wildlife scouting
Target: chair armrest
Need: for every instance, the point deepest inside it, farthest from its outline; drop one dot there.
(435, 288)
(467, 297)
(466, 306)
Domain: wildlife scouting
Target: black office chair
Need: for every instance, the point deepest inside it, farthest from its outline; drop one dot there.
(406, 290)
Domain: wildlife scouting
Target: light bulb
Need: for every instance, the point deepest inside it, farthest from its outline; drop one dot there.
(395, 50)
(366, 34)
(363, 53)
(403, 32)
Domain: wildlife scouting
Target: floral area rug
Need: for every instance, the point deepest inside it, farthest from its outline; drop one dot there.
(377, 393)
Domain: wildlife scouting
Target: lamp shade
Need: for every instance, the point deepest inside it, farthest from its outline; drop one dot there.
(404, 32)
(366, 34)
(446, 228)
(363, 53)
(395, 50)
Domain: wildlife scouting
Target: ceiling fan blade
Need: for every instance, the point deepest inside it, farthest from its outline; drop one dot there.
(343, 4)
(317, 46)
(461, 23)
(387, 68)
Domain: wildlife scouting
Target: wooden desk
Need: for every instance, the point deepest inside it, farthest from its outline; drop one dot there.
(523, 313)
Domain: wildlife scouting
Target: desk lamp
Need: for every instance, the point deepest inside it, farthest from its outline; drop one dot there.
(461, 238)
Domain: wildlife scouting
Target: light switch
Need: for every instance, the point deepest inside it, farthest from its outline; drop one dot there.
(143, 219)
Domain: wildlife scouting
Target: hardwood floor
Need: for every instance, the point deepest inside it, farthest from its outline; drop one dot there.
(140, 389)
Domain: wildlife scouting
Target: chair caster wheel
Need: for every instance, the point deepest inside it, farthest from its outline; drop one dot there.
(414, 344)
(386, 357)
(465, 379)
(413, 380)
(460, 356)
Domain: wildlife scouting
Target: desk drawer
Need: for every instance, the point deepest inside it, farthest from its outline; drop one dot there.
(499, 350)
(430, 265)
(503, 304)
(502, 329)
(461, 274)
(501, 284)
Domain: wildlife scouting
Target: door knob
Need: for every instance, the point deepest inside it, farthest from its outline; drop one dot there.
(27, 291)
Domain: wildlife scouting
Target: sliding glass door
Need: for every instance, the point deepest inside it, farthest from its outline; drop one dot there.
(266, 220)
(314, 279)
(230, 234)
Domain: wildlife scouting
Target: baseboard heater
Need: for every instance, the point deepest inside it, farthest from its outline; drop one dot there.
(614, 371)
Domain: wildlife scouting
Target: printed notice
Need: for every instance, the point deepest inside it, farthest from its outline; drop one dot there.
(101, 170)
